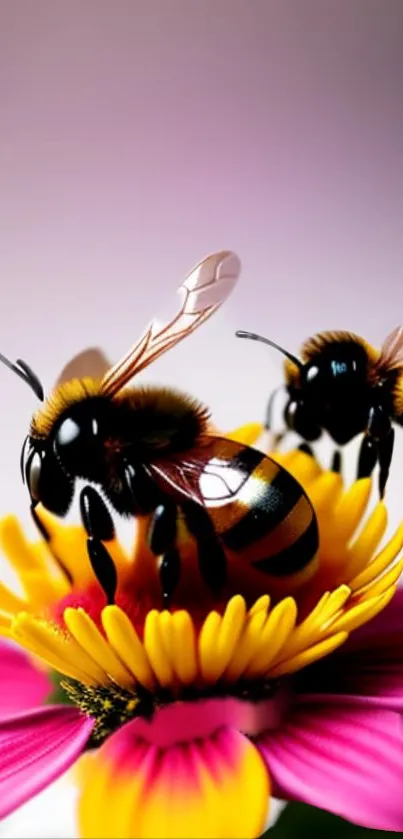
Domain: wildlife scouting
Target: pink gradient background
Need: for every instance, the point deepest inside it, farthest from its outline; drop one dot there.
(137, 137)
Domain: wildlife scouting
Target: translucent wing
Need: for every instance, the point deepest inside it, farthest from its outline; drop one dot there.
(208, 474)
(392, 350)
(90, 362)
(202, 293)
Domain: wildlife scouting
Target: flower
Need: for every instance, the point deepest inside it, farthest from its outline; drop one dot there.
(24, 685)
(191, 718)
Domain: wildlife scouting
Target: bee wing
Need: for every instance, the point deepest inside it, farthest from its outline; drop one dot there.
(202, 293)
(209, 474)
(392, 350)
(90, 362)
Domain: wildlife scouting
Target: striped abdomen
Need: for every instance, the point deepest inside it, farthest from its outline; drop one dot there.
(259, 510)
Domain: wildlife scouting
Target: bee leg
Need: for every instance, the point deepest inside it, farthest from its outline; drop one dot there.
(385, 458)
(367, 458)
(170, 572)
(381, 435)
(337, 462)
(269, 410)
(277, 438)
(140, 490)
(306, 449)
(99, 527)
(161, 540)
(211, 556)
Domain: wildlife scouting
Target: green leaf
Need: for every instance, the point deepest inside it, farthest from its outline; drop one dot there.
(299, 821)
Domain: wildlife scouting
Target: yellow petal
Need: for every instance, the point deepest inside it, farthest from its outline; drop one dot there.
(307, 657)
(367, 542)
(380, 562)
(247, 434)
(51, 646)
(187, 791)
(351, 508)
(124, 640)
(155, 649)
(85, 632)
(279, 626)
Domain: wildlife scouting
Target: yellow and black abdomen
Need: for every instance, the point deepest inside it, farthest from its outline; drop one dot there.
(267, 520)
(397, 397)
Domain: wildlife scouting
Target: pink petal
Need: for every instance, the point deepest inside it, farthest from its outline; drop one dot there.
(343, 758)
(370, 664)
(187, 721)
(23, 685)
(37, 747)
(386, 630)
(374, 675)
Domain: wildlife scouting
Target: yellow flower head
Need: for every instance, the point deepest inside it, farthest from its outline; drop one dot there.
(131, 659)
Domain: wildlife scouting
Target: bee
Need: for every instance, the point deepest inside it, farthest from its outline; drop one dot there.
(344, 386)
(150, 451)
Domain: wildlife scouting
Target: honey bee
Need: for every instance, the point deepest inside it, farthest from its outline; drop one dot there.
(344, 386)
(150, 451)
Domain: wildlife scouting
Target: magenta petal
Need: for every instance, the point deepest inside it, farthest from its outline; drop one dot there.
(384, 631)
(370, 664)
(375, 675)
(37, 747)
(23, 686)
(346, 759)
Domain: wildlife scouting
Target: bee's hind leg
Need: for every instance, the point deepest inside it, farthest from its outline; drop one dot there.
(211, 556)
(99, 527)
(377, 446)
(306, 449)
(385, 459)
(162, 540)
(367, 458)
(337, 462)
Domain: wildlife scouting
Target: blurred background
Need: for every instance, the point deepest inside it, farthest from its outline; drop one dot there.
(136, 137)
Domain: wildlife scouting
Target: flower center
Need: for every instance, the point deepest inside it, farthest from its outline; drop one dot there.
(112, 706)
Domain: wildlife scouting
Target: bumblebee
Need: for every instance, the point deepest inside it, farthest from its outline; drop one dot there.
(344, 386)
(151, 451)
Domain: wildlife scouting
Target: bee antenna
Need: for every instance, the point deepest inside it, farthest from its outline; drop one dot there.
(252, 335)
(26, 374)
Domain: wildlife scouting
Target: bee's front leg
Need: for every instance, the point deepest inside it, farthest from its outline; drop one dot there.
(99, 527)
(162, 542)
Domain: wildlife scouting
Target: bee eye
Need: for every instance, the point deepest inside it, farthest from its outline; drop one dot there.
(25, 452)
(71, 434)
(33, 474)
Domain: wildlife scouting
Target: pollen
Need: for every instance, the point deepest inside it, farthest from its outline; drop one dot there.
(110, 707)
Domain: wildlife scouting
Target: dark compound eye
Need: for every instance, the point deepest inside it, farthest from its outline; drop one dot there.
(73, 433)
(33, 474)
(25, 452)
(78, 443)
